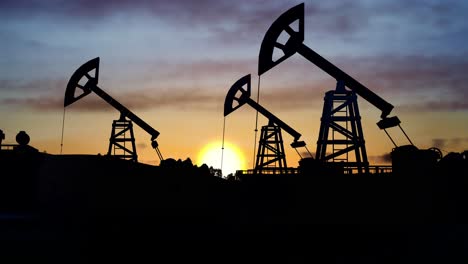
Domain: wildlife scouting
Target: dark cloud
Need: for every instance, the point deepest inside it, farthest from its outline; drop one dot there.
(293, 98)
(228, 21)
(37, 85)
(435, 106)
(341, 17)
(205, 69)
(435, 83)
(6, 84)
(236, 20)
(177, 12)
(439, 142)
(421, 83)
(411, 83)
(417, 82)
(305, 154)
(409, 73)
(142, 145)
(385, 158)
(133, 100)
(450, 144)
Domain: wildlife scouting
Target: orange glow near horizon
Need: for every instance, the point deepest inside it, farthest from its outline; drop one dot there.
(233, 159)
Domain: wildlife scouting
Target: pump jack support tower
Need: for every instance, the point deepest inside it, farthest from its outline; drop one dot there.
(271, 157)
(341, 128)
(285, 24)
(119, 127)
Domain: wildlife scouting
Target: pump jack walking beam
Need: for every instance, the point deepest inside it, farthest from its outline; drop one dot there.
(91, 86)
(295, 44)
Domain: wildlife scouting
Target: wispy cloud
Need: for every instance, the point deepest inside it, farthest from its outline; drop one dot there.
(434, 106)
(410, 83)
(133, 100)
(446, 144)
(380, 159)
(295, 98)
(204, 69)
(421, 83)
(234, 20)
(32, 86)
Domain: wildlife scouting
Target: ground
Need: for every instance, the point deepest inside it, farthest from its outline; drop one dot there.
(91, 209)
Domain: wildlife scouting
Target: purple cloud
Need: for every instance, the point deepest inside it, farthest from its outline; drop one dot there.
(399, 78)
(238, 20)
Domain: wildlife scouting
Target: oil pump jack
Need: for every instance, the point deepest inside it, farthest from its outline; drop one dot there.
(121, 126)
(340, 111)
(270, 157)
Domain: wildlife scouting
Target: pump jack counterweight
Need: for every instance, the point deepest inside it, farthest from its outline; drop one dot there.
(120, 126)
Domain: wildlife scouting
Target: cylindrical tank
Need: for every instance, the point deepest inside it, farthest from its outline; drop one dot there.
(22, 138)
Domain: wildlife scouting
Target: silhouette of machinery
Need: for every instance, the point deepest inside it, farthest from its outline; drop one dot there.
(340, 115)
(120, 127)
(270, 157)
(2, 136)
(22, 138)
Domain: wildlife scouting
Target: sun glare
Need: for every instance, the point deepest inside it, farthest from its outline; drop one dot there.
(233, 159)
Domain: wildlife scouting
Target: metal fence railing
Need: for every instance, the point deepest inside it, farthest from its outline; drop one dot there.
(346, 170)
(268, 171)
(374, 169)
(8, 146)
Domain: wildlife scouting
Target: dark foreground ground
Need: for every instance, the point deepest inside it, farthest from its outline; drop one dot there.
(90, 209)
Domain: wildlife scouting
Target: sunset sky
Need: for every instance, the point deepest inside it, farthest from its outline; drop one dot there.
(172, 63)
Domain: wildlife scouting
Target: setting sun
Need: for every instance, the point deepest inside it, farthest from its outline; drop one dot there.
(233, 159)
